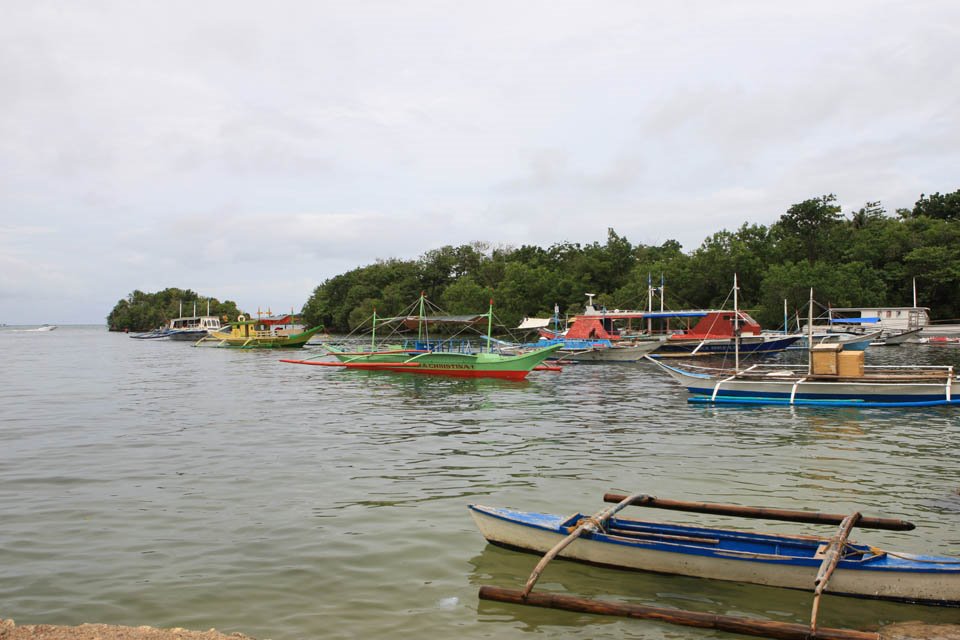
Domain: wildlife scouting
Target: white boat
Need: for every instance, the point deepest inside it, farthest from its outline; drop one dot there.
(627, 351)
(850, 384)
(850, 341)
(42, 328)
(192, 328)
(831, 377)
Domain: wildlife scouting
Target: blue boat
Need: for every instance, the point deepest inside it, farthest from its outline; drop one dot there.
(806, 562)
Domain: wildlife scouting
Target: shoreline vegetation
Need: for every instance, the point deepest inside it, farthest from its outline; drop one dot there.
(9, 630)
(860, 258)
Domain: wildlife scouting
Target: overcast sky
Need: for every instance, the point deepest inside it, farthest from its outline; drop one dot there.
(250, 150)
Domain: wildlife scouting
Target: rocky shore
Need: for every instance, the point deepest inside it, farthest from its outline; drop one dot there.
(11, 631)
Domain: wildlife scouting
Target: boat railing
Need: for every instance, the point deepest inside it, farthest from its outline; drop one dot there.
(448, 345)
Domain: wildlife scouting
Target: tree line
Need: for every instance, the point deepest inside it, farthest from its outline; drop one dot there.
(141, 311)
(866, 257)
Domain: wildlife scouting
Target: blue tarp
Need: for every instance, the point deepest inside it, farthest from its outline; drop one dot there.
(854, 320)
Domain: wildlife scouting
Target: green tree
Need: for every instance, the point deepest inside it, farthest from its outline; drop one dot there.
(941, 207)
(809, 225)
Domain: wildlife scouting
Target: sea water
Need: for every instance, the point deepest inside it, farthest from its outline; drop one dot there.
(151, 482)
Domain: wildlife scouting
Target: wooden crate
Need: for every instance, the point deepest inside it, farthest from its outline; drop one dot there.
(850, 364)
(823, 358)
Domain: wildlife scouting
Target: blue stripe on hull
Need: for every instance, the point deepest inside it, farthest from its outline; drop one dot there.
(771, 346)
(820, 403)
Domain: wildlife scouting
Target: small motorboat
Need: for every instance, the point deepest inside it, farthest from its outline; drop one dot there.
(43, 328)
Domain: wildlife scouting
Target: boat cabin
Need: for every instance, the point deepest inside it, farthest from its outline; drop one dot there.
(208, 323)
(895, 319)
(279, 325)
(720, 324)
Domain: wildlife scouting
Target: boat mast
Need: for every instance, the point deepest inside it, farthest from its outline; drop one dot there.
(810, 334)
(662, 287)
(490, 327)
(736, 326)
(649, 302)
(420, 321)
(373, 334)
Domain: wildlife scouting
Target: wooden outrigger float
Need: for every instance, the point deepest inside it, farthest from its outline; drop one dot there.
(818, 564)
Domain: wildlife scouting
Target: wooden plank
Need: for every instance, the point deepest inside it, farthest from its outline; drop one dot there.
(809, 517)
(733, 624)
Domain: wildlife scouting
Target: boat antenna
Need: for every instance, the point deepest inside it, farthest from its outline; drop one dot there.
(810, 335)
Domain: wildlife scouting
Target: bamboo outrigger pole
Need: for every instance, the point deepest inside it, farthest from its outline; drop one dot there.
(591, 524)
(809, 517)
(832, 557)
(745, 626)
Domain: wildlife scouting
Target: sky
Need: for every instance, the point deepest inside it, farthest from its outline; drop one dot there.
(251, 150)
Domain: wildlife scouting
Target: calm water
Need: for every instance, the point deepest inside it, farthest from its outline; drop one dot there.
(146, 482)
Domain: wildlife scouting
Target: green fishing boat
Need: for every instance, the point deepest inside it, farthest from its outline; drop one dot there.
(444, 357)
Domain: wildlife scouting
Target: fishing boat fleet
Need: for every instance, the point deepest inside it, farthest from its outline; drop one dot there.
(423, 340)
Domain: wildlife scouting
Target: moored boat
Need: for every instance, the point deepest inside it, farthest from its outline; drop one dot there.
(623, 351)
(777, 560)
(723, 333)
(831, 377)
(450, 356)
(192, 328)
(834, 377)
(254, 334)
(440, 363)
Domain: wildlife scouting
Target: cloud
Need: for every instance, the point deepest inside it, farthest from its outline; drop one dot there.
(256, 151)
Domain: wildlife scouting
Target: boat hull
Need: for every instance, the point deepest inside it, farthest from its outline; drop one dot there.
(727, 555)
(723, 346)
(615, 353)
(787, 387)
(450, 364)
(294, 341)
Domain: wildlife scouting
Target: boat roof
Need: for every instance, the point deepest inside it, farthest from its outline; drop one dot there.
(415, 320)
(535, 323)
(617, 314)
(850, 309)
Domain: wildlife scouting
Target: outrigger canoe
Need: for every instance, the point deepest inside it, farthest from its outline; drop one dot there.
(439, 363)
(790, 561)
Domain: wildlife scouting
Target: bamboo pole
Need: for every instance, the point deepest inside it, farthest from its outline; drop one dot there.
(590, 524)
(831, 558)
(787, 515)
(745, 626)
